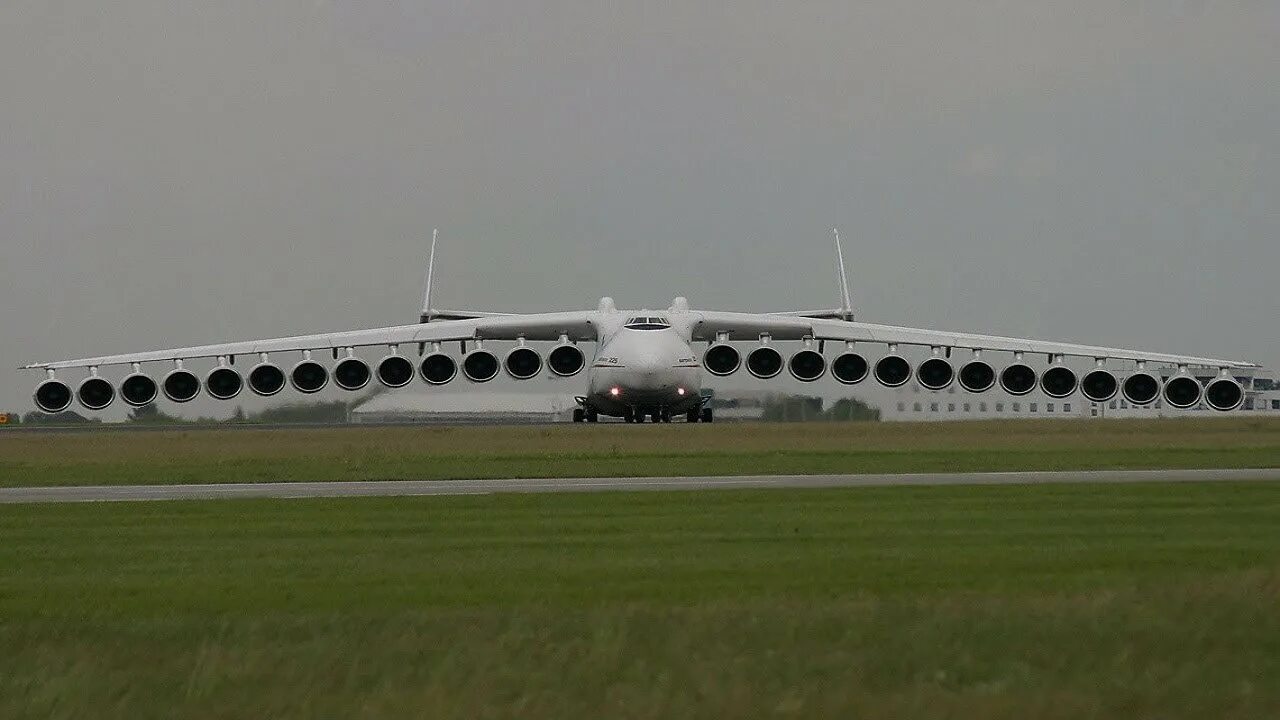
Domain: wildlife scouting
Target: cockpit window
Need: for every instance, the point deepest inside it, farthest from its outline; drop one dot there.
(647, 323)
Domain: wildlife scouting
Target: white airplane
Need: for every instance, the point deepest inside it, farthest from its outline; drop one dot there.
(645, 362)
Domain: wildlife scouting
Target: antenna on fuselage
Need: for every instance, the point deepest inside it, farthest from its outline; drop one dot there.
(846, 303)
(431, 264)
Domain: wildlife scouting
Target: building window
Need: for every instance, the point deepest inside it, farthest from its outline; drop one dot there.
(999, 407)
(902, 407)
(917, 407)
(1124, 405)
(951, 407)
(1017, 407)
(982, 407)
(967, 408)
(933, 407)
(1048, 407)
(1112, 404)
(1066, 407)
(1275, 404)
(1035, 407)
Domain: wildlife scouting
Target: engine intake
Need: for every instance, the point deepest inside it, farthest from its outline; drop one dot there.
(566, 360)
(95, 393)
(1058, 381)
(223, 383)
(138, 390)
(352, 374)
(52, 396)
(1182, 391)
(480, 366)
(977, 376)
(935, 374)
(807, 365)
(1224, 394)
(850, 368)
(1099, 385)
(181, 386)
(1018, 379)
(1140, 388)
(764, 362)
(721, 359)
(893, 371)
(309, 377)
(266, 379)
(522, 363)
(438, 368)
(395, 371)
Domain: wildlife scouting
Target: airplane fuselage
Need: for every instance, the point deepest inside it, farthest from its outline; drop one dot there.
(644, 368)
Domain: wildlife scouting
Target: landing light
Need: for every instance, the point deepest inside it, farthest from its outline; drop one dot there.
(679, 391)
(615, 391)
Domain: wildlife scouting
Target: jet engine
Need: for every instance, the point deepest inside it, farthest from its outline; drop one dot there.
(1224, 394)
(138, 390)
(566, 360)
(266, 379)
(438, 368)
(395, 371)
(764, 362)
(850, 368)
(721, 359)
(181, 385)
(95, 393)
(52, 396)
(309, 377)
(807, 365)
(1018, 379)
(522, 362)
(480, 365)
(893, 371)
(1140, 388)
(1099, 385)
(351, 373)
(223, 383)
(1182, 391)
(935, 374)
(1058, 381)
(977, 376)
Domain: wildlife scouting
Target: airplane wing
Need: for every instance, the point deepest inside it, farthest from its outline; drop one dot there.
(749, 326)
(577, 326)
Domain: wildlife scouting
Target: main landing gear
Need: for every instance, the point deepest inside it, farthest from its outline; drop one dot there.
(584, 415)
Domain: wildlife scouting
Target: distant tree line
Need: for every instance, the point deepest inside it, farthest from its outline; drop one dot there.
(800, 408)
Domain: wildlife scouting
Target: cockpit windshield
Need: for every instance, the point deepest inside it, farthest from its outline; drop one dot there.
(647, 323)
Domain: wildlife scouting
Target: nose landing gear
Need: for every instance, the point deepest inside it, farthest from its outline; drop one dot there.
(585, 415)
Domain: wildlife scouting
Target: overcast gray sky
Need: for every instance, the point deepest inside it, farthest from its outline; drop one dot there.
(174, 173)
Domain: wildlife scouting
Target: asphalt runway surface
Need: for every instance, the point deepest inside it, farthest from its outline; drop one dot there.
(395, 488)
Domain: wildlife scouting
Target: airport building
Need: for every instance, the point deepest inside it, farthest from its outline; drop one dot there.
(470, 407)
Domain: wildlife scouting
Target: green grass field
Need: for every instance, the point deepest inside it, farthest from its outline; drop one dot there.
(194, 456)
(1147, 601)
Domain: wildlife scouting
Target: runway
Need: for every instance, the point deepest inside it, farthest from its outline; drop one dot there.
(407, 488)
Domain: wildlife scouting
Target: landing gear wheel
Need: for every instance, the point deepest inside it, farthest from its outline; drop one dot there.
(655, 416)
(628, 416)
(691, 416)
(706, 415)
(578, 415)
(592, 416)
(666, 416)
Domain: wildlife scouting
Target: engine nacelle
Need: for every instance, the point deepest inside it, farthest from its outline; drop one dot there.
(566, 360)
(223, 383)
(266, 379)
(309, 377)
(94, 393)
(893, 371)
(1140, 388)
(1018, 379)
(1099, 385)
(181, 385)
(1058, 381)
(522, 363)
(438, 368)
(722, 360)
(138, 390)
(977, 376)
(1182, 391)
(52, 396)
(352, 373)
(850, 368)
(935, 374)
(764, 362)
(395, 371)
(480, 366)
(807, 365)
(1224, 394)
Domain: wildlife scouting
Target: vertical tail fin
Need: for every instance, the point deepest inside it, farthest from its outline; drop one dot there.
(431, 265)
(846, 303)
